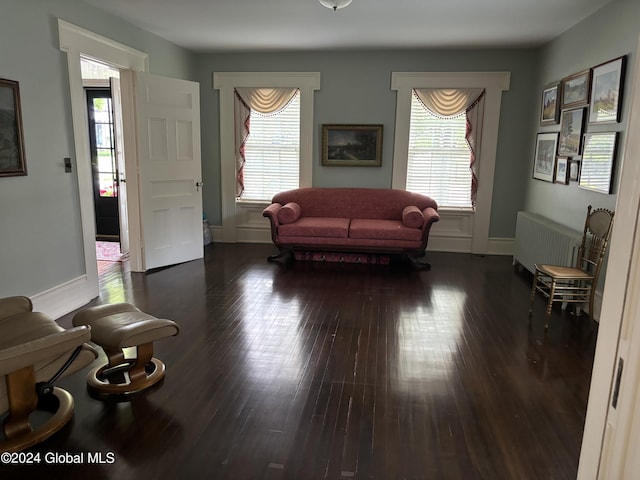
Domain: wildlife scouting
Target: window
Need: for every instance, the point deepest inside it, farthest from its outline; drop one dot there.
(460, 229)
(242, 220)
(272, 152)
(439, 157)
(102, 142)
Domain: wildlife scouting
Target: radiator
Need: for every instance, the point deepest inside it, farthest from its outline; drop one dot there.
(540, 240)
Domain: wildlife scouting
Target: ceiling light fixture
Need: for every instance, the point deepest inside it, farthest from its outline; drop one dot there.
(335, 4)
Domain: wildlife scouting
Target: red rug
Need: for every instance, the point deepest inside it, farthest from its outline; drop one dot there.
(108, 252)
(332, 257)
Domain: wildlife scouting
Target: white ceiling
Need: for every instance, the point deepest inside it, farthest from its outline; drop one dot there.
(276, 25)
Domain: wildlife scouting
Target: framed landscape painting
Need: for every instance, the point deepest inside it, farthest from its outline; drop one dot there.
(571, 126)
(12, 161)
(550, 109)
(575, 89)
(606, 92)
(544, 162)
(352, 145)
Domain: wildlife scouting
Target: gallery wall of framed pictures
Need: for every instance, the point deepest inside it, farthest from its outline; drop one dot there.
(581, 149)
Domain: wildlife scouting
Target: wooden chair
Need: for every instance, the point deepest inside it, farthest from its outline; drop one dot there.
(576, 284)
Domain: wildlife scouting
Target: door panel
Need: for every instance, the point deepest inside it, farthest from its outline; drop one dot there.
(168, 130)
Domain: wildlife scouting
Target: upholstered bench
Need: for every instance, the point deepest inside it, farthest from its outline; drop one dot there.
(115, 328)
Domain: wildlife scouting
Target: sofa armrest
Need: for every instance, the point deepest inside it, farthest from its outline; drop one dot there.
(271, 212)
(430, 216)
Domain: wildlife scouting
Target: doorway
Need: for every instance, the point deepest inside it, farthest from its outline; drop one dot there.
(106, 174)
(103, 164)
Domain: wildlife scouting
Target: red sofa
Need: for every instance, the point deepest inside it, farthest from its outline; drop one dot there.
(351, 220)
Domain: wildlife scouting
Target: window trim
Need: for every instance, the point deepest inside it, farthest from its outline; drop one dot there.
(225, 82)
(494, 84)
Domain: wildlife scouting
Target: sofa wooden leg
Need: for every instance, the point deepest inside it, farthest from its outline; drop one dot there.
(419, 264)
(284, 252)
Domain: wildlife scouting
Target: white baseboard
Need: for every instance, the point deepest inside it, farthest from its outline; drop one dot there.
(501, 246)
(62, 299)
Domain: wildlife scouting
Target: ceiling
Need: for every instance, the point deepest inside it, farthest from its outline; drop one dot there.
(280, 25)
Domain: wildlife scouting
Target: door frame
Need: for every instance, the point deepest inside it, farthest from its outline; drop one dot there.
(78, 42)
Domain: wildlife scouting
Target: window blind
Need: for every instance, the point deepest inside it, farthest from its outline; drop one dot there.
(439, 157)
(272, 153)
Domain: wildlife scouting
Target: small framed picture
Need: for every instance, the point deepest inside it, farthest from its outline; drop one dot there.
(606, 91)
(352, 145)
(575, 89)
(562, 171)
(544, 162)
(550, 108)
(574, 169)
(571, 126)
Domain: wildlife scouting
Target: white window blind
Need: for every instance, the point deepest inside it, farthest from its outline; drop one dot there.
(272, 153)
(439, 157)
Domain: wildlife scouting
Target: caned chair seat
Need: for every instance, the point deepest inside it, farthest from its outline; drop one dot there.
(117, 327)
(576, 284)
(563, 273)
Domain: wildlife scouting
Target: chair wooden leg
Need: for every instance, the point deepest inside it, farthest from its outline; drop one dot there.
(533, 292)
(552, 292)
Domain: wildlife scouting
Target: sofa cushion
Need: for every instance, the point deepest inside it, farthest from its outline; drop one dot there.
(289, 213)
(412, 217)
(383, 230)
(316, 227)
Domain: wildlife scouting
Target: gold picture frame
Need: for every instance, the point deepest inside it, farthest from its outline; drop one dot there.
(352, 145)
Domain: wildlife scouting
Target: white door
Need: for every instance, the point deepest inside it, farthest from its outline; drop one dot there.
(167, 113)
(116, 103)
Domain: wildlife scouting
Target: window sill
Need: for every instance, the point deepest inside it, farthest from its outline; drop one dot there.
(457, 210)
(252, 203)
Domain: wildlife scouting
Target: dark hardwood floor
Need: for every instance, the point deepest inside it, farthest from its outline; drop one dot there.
(338, 371)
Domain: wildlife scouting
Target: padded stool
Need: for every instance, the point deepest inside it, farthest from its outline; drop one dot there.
(119, 326)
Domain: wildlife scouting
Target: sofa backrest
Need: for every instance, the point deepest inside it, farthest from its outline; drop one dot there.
(373, 203)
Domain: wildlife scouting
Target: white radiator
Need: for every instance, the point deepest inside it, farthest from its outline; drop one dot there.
(540, 240)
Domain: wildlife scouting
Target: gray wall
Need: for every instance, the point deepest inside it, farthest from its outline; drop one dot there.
(40, 232)
(356, 88)
(609, 33)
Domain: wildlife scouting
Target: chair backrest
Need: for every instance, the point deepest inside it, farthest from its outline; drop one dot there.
(595, 238)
